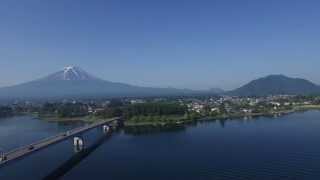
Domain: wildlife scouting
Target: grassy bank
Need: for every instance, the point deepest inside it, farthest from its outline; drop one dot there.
(306, 107)
(156, 120)
(54, 118)
(184, 119)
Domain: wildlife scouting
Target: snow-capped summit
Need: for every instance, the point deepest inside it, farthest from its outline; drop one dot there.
(71, 73)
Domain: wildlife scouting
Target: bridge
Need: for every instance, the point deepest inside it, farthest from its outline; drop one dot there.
(76, 159)
(78, 141)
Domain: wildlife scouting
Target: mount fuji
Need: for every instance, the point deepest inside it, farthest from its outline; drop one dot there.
(73, 81)
(71, 73)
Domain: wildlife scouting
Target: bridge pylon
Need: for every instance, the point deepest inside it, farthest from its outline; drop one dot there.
(78, 144)
(105, 129)
(2, 156)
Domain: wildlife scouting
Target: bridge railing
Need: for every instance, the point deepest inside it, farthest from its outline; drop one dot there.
(35, 143)
(63, 134)
(43, 140)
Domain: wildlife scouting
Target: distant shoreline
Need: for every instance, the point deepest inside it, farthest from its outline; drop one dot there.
(181, 121)
(230, 116)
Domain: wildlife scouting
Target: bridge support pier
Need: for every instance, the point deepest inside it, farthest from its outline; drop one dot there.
(105, 129)
(2, 157)
(78, 144)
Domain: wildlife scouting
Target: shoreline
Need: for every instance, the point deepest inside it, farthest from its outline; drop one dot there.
(224, 117)
(90, 119)
(52, 118)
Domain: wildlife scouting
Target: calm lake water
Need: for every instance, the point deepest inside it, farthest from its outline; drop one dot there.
(286, 147)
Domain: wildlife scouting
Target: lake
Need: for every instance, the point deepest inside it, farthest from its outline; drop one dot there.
(285, 147)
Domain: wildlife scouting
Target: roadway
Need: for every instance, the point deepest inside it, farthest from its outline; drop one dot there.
(28, 149)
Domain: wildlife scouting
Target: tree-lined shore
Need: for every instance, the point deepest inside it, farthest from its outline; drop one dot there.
(167, 111)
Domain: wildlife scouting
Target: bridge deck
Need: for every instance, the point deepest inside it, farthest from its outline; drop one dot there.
(26, 150)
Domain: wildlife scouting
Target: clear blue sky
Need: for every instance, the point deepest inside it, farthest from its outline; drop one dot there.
(179, 43)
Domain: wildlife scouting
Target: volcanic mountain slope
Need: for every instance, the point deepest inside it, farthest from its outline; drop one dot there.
(277, 84)
(74, 82)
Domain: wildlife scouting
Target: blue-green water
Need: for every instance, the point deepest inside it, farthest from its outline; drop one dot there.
(286, 147)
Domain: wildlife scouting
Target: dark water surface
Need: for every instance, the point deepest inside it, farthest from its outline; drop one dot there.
(286, 147)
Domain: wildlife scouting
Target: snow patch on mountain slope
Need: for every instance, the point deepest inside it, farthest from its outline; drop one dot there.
(70, 73)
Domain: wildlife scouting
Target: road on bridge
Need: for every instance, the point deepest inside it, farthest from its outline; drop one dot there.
(26, 150)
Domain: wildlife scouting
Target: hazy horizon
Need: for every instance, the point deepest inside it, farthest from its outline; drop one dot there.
(195, 45)
(93, 75)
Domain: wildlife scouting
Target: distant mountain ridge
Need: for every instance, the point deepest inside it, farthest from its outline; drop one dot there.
(72, 81)
(275, 85)
(216, 90)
